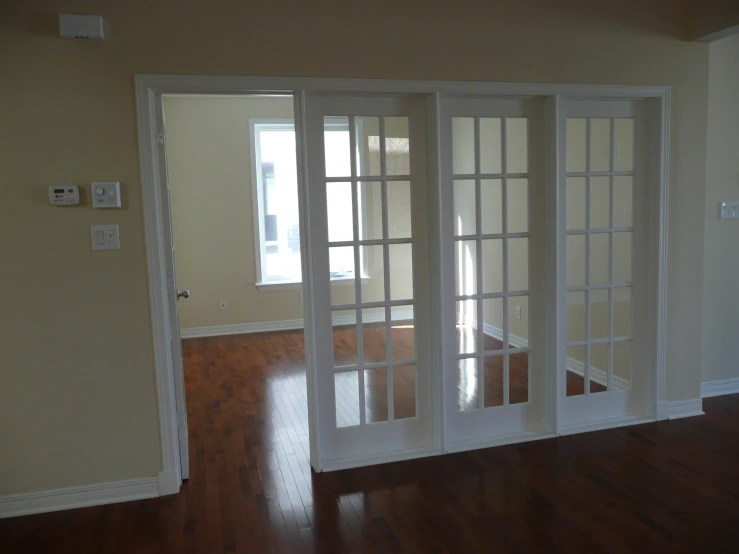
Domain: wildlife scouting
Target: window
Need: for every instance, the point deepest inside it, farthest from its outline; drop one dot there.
(276, 201)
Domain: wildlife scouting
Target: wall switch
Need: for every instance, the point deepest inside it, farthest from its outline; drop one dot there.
(222, 305)
(729, 210)
(106, 195)
(105, 237)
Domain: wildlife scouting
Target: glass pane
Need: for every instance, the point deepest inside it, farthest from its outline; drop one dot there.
(599, 362)
(576, 151)
(621, 365)
(373, 276)
(403, 333)
(401, 272)
(493, 323)
(404, 391)
(600, 318)
(491, 209)
(464, 208)
(463, 145)
(577, 191)
(374, 335)
(518, 205)
(518, 264)
(337, 147)
(575, 370)
(490, 145)
(622, 209)
(493, 379)
(465, 263)
(339, 211)
(575, 316)
(397, 146)
(600, 202)
(467, 326)
(370, 212)
(517, 153)
(576, 260)
(346, 388)
(467, 384)
(492, 265)
(518, 378)
(600, 145)
(399, 209)
(345, 337)
(341, 262)
(622, 257)
(375, 395)
(622, 312)
(624, 129)
(518, 321)
(600, 259)
(368, 145)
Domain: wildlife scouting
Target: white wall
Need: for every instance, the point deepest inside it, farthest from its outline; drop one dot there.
(721, 281)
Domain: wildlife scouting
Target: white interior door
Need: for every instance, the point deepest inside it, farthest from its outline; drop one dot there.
(173, 296)
(604, 260)
(367, 191)
(495, 322)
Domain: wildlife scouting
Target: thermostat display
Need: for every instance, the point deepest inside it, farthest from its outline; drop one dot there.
(68, 195)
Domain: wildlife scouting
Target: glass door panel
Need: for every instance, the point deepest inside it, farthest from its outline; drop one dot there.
(370, 285)
(491, 225)
(600, 197)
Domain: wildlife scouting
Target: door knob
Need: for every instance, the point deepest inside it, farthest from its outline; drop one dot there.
(184, 294)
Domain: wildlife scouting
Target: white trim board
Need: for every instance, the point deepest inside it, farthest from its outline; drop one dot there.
(283, 325)
(684, 408)
(719, 388)
(78, 497)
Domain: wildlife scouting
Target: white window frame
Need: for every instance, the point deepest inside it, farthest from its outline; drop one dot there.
(256, 125)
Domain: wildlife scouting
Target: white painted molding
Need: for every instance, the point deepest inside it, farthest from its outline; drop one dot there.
(283, 325)
(169, 482)
(602, 425)
(500, 440)
(719, 388)
(79, 497)
(685, 408)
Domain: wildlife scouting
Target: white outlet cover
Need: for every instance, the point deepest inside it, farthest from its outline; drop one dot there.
(105, 237)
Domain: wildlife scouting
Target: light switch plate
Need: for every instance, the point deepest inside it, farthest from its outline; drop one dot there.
(106, 195)
(729, 210)
(105, 237)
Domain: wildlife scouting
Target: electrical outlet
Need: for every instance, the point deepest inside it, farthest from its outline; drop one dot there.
(518, 312)
(222, 305)
(729, 210)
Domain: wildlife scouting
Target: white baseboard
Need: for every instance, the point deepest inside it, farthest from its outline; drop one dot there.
(685, 408)
(515, 438)
(283, 325)
(384, 458)
(603, 424)
(78, 497)
(719, 388)
(169, 482)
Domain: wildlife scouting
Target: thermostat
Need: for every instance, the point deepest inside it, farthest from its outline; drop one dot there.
(106, 195)
(66, 195)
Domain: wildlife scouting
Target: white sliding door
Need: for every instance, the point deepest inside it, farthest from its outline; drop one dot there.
(604, 261)
(494, 274)
(367, 187)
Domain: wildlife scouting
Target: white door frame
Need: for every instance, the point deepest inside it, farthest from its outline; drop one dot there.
(148, 86)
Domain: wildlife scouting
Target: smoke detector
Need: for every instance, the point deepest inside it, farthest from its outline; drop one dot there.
(80, 26)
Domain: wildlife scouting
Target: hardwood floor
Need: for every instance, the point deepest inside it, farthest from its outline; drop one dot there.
(664, 487)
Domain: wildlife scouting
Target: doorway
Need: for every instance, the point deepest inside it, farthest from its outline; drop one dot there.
(451, 238)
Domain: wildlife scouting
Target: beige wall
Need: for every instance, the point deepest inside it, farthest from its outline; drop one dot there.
(209, 157)
(721, 284)
(78, 401)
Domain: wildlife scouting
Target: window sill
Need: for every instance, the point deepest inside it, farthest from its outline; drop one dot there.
(287, 285)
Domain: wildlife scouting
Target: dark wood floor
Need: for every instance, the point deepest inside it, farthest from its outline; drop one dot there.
(663, 487)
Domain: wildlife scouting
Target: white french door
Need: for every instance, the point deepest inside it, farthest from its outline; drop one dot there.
(494, 274)
(604, 265)
(367, 189)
